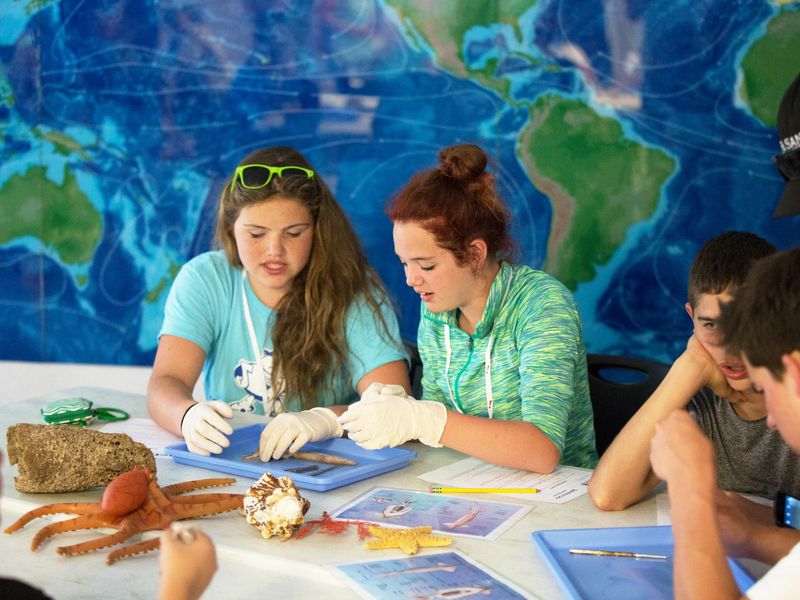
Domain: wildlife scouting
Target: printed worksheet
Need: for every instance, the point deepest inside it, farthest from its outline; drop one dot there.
(448, 515)
(426, 577)
(144, 431)
(562, 485)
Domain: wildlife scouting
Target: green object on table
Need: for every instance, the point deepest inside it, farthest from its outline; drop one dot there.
(79, 411)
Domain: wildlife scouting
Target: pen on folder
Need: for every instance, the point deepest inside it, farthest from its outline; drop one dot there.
(616, 553)
(457, 490)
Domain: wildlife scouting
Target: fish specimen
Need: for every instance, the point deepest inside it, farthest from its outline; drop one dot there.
(321, 457)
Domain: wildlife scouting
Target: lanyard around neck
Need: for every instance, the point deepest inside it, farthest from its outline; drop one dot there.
(249, 320)
(487, 373)
(257, 353)
(487, 369)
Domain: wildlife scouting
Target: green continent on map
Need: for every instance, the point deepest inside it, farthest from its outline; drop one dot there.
(154, 293)
(61, 216)
(764, 79)
(599, 183)
(443, 24)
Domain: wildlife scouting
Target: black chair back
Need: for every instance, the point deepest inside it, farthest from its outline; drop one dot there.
(414, 369)
(618, 386)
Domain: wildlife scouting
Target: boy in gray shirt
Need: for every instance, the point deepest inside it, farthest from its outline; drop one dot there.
(713, 385)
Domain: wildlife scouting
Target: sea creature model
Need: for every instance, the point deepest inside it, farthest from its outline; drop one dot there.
(408, 540)
(321, 457)
(274, 506)
(132, 503)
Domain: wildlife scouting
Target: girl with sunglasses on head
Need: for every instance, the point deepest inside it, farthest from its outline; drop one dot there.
(504, 365)
(287, 315)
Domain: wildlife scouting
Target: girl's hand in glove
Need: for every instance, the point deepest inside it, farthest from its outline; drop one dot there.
(288, 432)
(376, 390)
(204, 427)
(390, 420)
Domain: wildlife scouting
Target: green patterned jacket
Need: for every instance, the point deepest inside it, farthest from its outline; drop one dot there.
(538, 361)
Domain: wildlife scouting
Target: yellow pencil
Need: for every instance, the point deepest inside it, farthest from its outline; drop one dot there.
(455, 490)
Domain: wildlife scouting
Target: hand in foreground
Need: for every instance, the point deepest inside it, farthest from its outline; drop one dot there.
(288, 432)
(713, 378)
(390, 420)
(740, 521)
(681, 455)
(204, 427)
(188, 562)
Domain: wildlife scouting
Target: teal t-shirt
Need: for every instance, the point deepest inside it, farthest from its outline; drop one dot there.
(532, 328)
(204, 306)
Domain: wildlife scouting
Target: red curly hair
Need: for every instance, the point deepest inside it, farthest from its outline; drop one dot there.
(457, 203)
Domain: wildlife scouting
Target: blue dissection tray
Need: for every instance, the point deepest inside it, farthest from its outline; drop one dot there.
(245, 440)
(595, 577)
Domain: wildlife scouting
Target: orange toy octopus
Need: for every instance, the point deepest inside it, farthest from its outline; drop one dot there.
(131, 504)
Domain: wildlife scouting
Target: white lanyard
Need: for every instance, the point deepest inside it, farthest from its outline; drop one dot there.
(257, 354)
(487, 373)
(487, 369)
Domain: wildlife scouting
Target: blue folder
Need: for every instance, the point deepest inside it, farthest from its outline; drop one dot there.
(595, 577)
(244, 440)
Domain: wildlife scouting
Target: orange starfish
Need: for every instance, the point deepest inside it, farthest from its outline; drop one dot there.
(408, 540)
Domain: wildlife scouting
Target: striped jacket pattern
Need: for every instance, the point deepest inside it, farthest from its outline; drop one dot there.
(538, 361)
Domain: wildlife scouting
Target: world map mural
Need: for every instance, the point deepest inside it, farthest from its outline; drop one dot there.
(623, 135)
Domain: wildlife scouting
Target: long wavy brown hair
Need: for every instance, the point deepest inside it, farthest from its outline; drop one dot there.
(309, 332)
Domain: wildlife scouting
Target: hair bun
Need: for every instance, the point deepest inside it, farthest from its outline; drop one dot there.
(465, 162)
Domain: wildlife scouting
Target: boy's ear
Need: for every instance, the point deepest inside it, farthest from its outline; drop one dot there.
(792, 363)
(689, 310)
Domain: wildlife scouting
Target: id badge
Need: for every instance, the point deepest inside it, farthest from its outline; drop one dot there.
(76, 411)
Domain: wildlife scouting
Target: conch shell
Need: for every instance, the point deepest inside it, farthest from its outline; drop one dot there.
(274, 506)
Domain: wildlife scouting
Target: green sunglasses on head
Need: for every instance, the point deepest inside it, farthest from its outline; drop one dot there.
(254, 177)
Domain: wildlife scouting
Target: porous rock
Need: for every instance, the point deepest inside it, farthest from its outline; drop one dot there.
(64, 458)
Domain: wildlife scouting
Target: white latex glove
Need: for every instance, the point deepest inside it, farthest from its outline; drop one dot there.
(288, 432)
(377, 389)
(388, 420)
(203, 427)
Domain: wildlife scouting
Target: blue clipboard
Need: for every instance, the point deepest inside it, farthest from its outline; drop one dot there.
(245, 440)
(596, 577)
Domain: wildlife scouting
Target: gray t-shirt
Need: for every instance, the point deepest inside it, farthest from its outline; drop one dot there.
(750, 457)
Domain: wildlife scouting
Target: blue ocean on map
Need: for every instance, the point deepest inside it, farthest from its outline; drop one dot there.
(137, 111)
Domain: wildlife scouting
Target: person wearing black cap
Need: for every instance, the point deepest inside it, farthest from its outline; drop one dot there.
(788, 161)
